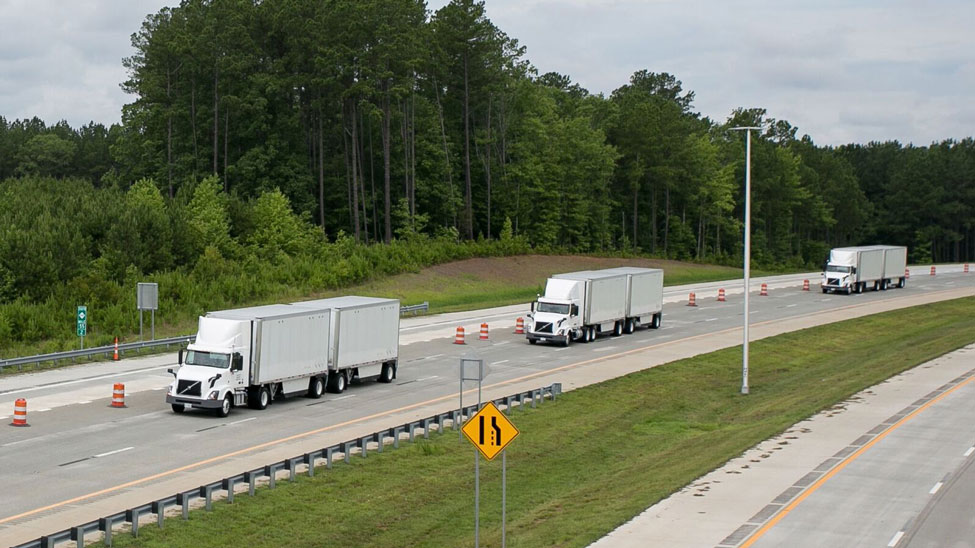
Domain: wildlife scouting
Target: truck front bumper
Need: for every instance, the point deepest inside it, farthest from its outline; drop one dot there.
(195, 402)
(562, 339)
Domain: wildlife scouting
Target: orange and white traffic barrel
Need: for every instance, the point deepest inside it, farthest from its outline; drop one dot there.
(966, 268)
(907, 273)
(721, 298)
(932, 270)
(692, 300)
(805, 285)
(115, 356)
(20, 413)
(118, 395)
(459, 336)
(520, 326)
(484, 332)
(764, 292)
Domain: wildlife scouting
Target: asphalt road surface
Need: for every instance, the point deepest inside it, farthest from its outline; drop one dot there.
(79, 451)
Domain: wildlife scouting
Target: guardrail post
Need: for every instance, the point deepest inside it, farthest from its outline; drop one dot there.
(363, 443)
(535, 393)
(380, 436)
(132, 516)
(271, 471)
(105, 525)
(413, 426)
(347, 449)
(309, 459)
(292, 466)
(328, 455)
(183, 500)
(426, 427)
(397, 431)
(206, 491)
(251, 479)
(157, 507)
(556, 389)
(228, 485)
(78, 535)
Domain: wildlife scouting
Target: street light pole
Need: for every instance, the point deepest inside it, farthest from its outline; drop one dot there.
(748, 248)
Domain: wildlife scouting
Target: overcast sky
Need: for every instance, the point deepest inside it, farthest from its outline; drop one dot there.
(840, 71)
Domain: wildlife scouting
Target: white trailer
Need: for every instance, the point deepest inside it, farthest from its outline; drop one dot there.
(895, 266)
(363, 338)
(250, 356)
(853, 269)
(644, 296)
(578, 306)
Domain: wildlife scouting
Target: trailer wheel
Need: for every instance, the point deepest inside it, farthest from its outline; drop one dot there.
(258, 398)
(387, 373)
(628, 326)
(316, 387)
(178, 408)
(618, 329)
(224, 409)
(655, 323)
(336, 382)
(590, 334)
(901, 284)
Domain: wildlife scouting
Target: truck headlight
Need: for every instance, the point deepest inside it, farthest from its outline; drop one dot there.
(213, 394)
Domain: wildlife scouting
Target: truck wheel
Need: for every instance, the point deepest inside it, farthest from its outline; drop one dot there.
(568, 338)
(258, 398)
(901, 284)
(655, 324)
(825, 290)
(590, 334)
(628, 326)
(387, 373)
(178, 408)
(316, 387)
(224, 409)
(532, 341)
(336, 382)
(618, 329)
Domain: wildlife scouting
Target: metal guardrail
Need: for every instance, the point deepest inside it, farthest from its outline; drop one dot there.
(270, 471)
(94, 351)
(108, 350)
(415, 308)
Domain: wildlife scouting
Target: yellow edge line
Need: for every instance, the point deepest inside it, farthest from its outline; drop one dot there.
(382, 414)
(856, 454)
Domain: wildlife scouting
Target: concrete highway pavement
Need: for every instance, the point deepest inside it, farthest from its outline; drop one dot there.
(82, 460)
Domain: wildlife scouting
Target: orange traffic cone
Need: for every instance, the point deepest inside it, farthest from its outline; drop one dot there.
(520, 326)
(118, 395)
(966, 268)
(907, 273)
(692, 300)
(484, 332)
(805, 285)
(721, 295)
(115, 356)
(764, 292)
(20, 413)
(932, 270)
(459, 337)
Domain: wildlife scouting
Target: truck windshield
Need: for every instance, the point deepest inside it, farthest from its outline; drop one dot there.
(837, 268)
(553, 308)
(207, 359)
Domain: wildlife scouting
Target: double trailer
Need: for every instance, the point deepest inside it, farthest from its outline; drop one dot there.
(250, 356)
(582, 305)
(855, 269)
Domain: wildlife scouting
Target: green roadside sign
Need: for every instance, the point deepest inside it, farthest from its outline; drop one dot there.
(82, 321)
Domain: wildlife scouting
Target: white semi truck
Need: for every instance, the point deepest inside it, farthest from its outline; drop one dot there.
(854, 269)
(582, 305)
(250, 356)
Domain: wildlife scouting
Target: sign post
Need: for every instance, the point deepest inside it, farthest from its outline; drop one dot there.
(490, 432)
(472, 369)
(82, 321)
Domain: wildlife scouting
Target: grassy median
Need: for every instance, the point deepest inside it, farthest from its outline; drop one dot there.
(590, 461)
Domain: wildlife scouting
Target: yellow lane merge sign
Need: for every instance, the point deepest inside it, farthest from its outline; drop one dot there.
(490, 431)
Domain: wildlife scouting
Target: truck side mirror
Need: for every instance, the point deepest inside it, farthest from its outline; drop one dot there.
(575, 310)
(238, 363)
(180, 359)
(533, 306)
(171, 371)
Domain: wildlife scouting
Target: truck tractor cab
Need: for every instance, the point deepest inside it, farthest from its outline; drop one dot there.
(211, 370)
(553, 320)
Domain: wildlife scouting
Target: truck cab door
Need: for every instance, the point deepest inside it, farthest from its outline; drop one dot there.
(237, 370)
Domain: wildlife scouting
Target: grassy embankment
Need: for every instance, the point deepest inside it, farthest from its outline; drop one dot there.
(590, 461)
(449, 287)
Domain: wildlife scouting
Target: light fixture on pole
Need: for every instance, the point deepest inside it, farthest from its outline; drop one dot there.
(748, 246)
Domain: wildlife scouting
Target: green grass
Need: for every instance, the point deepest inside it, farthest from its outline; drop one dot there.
(590, 461)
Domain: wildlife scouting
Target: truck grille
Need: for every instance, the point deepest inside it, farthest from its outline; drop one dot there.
(543, 327)
(188, 388)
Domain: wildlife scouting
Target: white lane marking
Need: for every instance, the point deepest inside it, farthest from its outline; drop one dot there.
(967, 453)
(433, 356)
(42, 410)
(112, 452)
(561, 349)
(502, 361)
(78, 381)
(84, 402)
(897, 538)
(428, 378)
(345, 397)
(604, 349)
(502, 343)
(936, 487)
(242, 420)
(791, 305)
(711, 320)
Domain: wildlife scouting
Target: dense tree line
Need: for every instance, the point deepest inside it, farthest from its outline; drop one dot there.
(264, 134)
